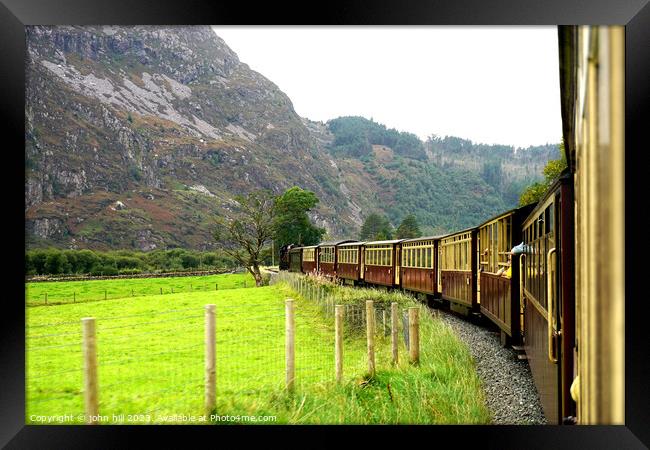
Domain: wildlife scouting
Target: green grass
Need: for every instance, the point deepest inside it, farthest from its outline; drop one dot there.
(150, 352)
(59, 292)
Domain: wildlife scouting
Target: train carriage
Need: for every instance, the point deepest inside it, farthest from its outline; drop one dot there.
(592, 83)
(310, 259)
(380, 265)
(349, 261)
(498, 271)
(327, 255)
(457, 270)
(548, 296)
(418, 268)
(295, 259)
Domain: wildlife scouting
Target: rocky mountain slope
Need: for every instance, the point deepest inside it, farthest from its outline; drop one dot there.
(136, 137)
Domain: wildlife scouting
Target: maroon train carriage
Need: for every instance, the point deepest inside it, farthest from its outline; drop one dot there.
(548, 298)
(310, 259)
(380, 263)
(295, 259)
(418, 265)
(349, 260)
(457, 270)
(498, 294)
(327, 257)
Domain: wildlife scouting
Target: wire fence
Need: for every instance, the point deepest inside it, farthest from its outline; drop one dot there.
(183, 365)
(42, 296)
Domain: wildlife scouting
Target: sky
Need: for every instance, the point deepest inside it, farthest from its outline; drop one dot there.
(492, 85)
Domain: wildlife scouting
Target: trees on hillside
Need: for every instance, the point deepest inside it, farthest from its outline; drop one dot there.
(376, 228)
(355, 136)
(552, 171)
(409, 228)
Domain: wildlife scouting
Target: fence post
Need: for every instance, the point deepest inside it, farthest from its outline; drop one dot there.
(338, 341)
(289, 344)
(370, 334)
(414, 335)
(216, 286)
(74, 297)
(105, 294)
(90, 370)
(383, 321)
(394, 324)
(160, 291)
(210, 359)
(46, 298)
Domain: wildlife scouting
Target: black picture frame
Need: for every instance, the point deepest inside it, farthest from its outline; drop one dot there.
(15, 14)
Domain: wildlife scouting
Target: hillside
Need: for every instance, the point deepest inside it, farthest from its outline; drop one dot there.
(136, 137)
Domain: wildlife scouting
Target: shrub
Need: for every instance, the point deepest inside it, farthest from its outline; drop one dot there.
(103, 270)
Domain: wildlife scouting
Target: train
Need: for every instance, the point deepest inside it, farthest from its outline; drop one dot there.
(561, 296)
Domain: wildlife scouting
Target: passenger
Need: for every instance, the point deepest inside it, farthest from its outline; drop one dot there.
(503, 272)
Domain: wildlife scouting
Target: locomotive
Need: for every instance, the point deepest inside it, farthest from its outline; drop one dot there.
(561, 297)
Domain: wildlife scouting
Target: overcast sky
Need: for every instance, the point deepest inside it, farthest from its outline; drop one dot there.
(496, 85)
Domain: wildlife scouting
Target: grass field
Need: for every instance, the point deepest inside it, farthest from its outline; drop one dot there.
(59, 292)
(150, 352)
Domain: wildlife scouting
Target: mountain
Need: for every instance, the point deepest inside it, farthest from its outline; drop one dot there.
(136, 137)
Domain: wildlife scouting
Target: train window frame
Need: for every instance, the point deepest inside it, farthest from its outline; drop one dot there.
(309, 255)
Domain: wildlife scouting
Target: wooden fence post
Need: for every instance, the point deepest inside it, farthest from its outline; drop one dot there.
(290, 344)
(370, 334)
(338, 341)
(210, 359)
(394, 324)
(414, 335)
(91, 399)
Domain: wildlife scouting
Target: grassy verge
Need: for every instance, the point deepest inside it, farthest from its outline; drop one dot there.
(150, 352)
(61, 292)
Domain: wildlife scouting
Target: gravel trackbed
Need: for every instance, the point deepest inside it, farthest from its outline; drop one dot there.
(510, 392)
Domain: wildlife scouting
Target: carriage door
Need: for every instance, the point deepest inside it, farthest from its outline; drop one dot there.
(397, 262)
(438, 266)
(564, 290)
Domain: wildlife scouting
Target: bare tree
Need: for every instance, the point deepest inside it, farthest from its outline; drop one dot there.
(244, 236)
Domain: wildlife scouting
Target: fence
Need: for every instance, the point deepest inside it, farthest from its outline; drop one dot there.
(180, 365)
(49, 294)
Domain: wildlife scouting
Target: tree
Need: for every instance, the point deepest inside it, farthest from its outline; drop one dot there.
(56, 263)
(244, 236)
(376, 227)
(409, 228)
(552, 171)
(292, 224)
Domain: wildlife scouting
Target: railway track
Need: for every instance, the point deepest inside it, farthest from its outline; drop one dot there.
(508, 384)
